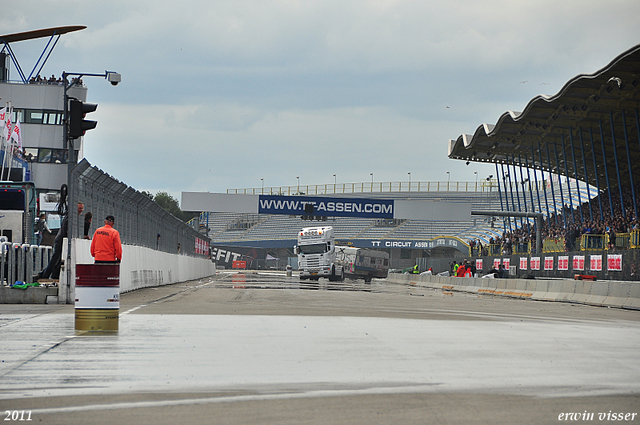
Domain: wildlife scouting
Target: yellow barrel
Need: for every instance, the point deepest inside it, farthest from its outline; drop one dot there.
(97, 320)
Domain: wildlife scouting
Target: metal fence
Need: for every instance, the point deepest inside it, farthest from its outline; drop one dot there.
(138, 218)
(19, 263)
(370, 187)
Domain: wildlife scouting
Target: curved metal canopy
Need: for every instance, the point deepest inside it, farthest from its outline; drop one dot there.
(53, 34)
(589, 130)
(46, 32)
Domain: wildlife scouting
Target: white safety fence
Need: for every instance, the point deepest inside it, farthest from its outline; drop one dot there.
(141, 267)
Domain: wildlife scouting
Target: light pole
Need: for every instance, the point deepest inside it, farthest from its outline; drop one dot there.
(262, 191)
(409, 180)
(371, 174)
(298, 180)
(448, 180)
(114, 78)
(476, 173)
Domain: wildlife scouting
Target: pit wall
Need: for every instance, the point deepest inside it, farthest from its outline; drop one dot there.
(141, 267)
(598, 293)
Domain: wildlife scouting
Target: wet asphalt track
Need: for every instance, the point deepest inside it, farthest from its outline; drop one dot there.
(264, 348)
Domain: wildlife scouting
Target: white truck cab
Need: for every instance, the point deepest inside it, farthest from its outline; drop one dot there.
(316, 252)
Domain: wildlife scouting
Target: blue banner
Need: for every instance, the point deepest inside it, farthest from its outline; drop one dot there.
(326, 207)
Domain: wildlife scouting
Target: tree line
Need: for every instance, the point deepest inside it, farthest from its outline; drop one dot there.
(171, 205)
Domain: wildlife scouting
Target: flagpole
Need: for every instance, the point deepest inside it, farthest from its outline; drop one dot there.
(4, 157)
(10, 144)
(8, 141)
(4, 123)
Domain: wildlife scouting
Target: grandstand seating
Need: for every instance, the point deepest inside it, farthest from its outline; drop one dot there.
(283, 227)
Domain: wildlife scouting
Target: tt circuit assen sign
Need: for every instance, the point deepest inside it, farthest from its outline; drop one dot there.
(327, 207)
(443, 242)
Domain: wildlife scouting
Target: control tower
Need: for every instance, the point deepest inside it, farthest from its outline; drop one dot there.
(36, 101)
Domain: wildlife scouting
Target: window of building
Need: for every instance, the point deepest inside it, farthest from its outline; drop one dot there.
(39, 116)
(55, 156)
(34, 117)
(52, 118)
(59, 156)
(44, 155)
(31, 154)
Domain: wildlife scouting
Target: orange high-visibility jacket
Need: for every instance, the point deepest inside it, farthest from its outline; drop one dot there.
(106, 245)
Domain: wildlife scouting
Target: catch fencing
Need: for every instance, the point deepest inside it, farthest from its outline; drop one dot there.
(139, 220)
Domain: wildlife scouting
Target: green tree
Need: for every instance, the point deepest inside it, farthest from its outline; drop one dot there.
(170, 204)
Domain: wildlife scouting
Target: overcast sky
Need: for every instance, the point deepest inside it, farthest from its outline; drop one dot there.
(221, 94)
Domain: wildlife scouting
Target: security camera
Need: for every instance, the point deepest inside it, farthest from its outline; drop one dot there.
(114, 78)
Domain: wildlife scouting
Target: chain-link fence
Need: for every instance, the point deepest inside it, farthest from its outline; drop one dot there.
(138, 218)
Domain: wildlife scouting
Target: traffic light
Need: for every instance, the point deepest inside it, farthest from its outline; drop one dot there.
(77, 124)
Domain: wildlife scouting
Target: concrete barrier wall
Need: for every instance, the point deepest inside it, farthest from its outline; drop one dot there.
(598, 293)
(30, 295)
(141, 267)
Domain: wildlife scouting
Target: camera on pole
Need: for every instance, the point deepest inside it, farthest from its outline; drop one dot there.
(77, 112)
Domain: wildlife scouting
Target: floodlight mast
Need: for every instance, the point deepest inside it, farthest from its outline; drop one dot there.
(114, 78)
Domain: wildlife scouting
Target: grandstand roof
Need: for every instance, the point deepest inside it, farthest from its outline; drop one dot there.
(46, 32)
(588, 124)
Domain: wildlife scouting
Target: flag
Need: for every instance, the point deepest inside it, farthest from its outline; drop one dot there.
(3, 117)
(8, 128)
(16, 135)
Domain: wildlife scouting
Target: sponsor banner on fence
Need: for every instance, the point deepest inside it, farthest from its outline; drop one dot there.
(535, 263)
(523, 263)
(548, 263)
(595, 263)
(479, 264)
(578, 262)
(563, 262)
(325, 206)
(506, 262)
(496, 263)
(614, 262)
(201, 246)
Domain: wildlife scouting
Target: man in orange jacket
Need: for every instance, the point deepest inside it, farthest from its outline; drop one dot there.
(105, 246)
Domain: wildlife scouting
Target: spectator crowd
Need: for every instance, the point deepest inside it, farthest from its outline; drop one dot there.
(570, 225)
(53, 80)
